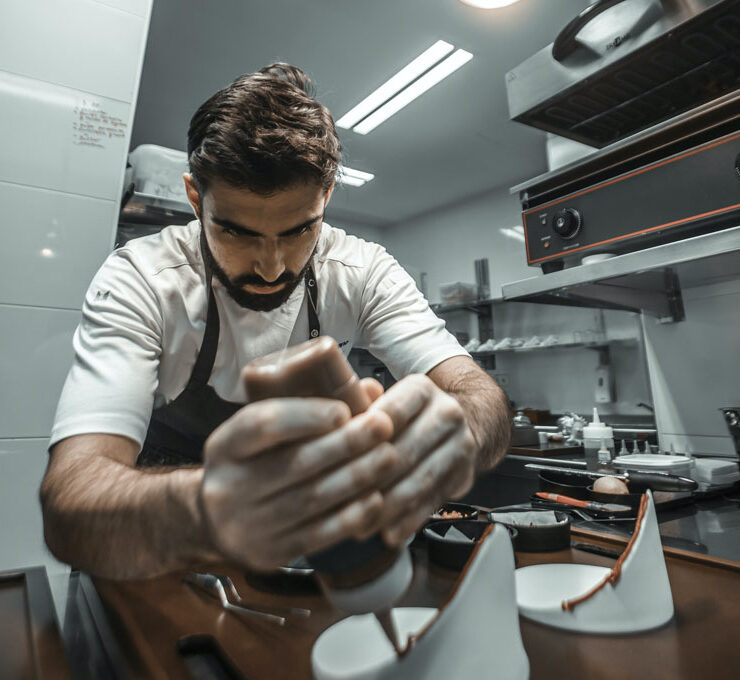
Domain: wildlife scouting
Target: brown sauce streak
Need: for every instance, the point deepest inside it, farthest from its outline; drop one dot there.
(413, 639)
(616, 572)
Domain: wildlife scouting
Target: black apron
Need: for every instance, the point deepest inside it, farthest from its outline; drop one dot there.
(178, 430)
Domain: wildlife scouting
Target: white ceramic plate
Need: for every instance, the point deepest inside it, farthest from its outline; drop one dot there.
(544, 586)
(357, 646)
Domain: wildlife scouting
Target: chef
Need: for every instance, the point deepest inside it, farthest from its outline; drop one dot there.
(156, 464)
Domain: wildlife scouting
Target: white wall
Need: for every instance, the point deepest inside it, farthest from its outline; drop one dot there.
(69, 75)
(444, 244)
(694, 369)
(364, 231)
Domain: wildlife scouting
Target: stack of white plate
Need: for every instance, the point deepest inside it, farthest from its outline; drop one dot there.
(716, 471)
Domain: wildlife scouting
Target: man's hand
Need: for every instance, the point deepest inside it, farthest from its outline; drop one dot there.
(288, 477)
(437, 454)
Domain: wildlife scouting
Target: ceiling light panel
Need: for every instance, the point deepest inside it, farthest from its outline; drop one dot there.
(351, 181)
(406, 75)
(488, 4)
(352, 177)
(351, 172)
(417, 88)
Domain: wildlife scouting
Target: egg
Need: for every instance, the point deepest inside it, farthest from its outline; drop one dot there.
(610, 485)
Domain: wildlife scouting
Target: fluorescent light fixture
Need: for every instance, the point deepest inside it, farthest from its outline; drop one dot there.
(488, 4)
(352, 177)
(359, 174)
(351, 181)
(406, 75)
(517, 233)
(417, 88)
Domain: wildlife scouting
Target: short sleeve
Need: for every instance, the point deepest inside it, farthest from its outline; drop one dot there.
(396, 323)
(111, 384)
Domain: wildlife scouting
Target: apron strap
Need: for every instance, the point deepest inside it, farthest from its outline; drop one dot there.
(312, 288)
(207, 354)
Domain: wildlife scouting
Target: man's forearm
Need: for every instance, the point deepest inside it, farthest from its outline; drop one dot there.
(119, 522)
(486, 408)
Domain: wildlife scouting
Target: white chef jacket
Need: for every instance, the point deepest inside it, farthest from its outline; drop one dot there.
(144, 316)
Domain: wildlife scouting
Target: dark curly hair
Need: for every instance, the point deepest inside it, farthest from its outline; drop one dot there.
(264, 132)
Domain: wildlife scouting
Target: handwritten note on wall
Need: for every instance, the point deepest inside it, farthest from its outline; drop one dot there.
(93, 126)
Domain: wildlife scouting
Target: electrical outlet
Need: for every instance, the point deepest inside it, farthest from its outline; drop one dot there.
(502, 379)
(604, 391)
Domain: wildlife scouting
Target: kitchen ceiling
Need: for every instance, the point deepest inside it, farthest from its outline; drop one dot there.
(452, 143)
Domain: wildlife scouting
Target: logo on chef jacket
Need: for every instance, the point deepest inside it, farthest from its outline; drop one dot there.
(102, 294)
(343, 343)
(617, 41)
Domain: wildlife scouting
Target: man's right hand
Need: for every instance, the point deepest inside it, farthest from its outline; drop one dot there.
(289, 477)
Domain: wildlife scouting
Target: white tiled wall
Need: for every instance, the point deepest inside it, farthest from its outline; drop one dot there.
(80, 44)
(69, 75)
(138, 7)
(37, 353)
(59, 241)
(63, 139)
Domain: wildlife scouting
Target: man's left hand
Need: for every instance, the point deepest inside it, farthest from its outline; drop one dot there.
(437, 455)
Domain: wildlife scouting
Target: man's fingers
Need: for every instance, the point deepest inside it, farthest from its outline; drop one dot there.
(372, 388)
(322, 496)
(267, 423)
(347, 522)
(434, 481)
(278, 470)
(405, 400)
(441, 419)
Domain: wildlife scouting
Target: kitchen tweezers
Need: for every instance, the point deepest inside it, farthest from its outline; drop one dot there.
(223, 589)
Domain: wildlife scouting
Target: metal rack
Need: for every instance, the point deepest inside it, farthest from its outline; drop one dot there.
(648, 280)
(140, 208)
(144, 214)
(483, 309)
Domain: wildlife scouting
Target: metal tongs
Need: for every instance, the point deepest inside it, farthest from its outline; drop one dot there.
(222, 588)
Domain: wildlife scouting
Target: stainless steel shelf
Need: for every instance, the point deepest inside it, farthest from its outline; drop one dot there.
(483, 306)
(648, 280)
(599, 344)
(149, 209)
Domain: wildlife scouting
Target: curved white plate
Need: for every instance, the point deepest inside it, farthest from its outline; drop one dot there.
(337, 653)
(544, 586)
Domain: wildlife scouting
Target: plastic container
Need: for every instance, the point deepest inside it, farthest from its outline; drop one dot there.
(598, 442)
(158, 171)
(450, 293)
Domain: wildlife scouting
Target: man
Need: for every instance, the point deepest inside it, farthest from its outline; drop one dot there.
(157, 465)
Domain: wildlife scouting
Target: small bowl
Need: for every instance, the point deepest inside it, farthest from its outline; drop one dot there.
(450, 553)
(543, 537)
(565, 484)
(467, 512)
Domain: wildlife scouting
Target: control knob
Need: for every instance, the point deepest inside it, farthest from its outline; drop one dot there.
(567, 222)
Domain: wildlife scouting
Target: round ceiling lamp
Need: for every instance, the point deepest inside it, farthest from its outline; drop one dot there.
(489, 4)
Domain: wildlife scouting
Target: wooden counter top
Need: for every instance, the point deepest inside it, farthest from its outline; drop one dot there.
(150, 619)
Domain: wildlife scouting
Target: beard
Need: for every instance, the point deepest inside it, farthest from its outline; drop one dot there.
(258, 302)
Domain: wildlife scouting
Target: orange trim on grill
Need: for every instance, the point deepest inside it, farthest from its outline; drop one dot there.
(632, 174)
(634, 233)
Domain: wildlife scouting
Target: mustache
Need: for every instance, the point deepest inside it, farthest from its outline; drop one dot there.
(255, 280)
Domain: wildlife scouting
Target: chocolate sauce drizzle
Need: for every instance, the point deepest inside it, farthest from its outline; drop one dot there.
(613, 576)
